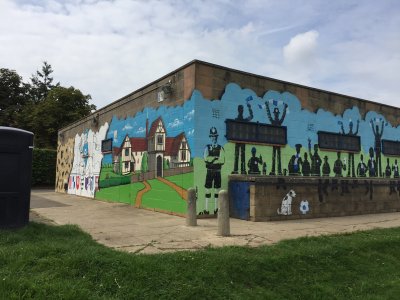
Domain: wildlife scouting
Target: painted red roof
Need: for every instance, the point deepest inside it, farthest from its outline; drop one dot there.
(154, 125)
(172, 145)
(138, 144)
(116, 151)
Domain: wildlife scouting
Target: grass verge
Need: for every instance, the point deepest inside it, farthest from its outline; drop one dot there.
(62, 262)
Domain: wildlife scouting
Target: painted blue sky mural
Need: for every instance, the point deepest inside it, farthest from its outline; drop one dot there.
(176, 119)
(301, 124)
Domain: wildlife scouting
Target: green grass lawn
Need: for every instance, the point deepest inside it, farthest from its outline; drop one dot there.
(125, 193)
(163, 197)
(62, 262)
(183, 180)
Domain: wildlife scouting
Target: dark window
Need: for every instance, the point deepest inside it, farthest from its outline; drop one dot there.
(337, 141)
(126, 165)
(391, 147)
(237, 131)
(160, 139)
(126, 151)
(106, 145)
(183, 155)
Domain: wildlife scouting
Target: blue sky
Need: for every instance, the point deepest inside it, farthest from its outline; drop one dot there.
(110, 48)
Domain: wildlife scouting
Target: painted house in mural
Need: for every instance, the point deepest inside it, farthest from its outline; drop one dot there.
(283, 150)
(160, 149)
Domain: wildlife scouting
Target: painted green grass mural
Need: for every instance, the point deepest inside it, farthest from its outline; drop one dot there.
(185, 181)
(161, 196)
(122, 193)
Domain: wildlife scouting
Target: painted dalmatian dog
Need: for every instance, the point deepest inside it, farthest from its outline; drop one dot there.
(286, 206)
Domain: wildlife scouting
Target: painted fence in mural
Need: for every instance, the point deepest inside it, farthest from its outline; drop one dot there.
(151, 159)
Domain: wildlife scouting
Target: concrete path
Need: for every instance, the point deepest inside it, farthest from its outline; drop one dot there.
(124, 227)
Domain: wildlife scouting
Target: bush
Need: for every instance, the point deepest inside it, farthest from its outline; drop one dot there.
(114, 181)
(44, 167)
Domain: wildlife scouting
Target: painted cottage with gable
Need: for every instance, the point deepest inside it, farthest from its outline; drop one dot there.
(156, 147)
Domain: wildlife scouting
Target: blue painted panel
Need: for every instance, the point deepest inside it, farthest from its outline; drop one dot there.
(239, 199)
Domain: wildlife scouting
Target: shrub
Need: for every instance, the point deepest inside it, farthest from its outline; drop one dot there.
(44, 167)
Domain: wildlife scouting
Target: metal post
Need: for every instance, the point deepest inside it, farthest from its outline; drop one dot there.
(191, 217)
(223, 214)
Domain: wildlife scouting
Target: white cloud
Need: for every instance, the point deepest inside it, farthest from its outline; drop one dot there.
(189, 115)
(141, 130)
(301, 48)
(110, 48)
(127, 127)
(175, 123)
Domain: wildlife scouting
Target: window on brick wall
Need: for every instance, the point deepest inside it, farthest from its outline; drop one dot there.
(338, 142)
(239, 131)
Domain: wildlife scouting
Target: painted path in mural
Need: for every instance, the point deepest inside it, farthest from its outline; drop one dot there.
(181, 191)
(139, 196)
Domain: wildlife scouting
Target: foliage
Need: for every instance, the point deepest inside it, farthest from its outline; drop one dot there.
(62, 262)
(61, 107)
(42, 83)
(145, 164)
(44, 167)
(40, 106)
(13, 97)
(165, 164)
(114, 181)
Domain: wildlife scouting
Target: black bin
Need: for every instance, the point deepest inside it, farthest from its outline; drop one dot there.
(15, 176)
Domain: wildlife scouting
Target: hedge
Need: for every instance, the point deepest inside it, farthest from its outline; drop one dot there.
(114, 181)
(44, 167)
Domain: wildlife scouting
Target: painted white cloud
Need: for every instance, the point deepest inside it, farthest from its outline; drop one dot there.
(190, 132)
(127, 127)
(141, 130)
(189, 115)
(175, 123)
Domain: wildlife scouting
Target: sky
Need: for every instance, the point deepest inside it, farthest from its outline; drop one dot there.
(110, 48)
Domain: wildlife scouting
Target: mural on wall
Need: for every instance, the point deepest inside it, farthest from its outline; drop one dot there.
(155, 155)
(65, 161)
(84, 176)
(304, 207)
(149, 163)
(301, 155)
(214, 158)
(286, 206)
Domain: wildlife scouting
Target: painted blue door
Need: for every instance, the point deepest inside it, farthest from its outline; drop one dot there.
(239, 192)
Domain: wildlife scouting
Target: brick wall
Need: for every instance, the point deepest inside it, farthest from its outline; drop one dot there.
(326, 197)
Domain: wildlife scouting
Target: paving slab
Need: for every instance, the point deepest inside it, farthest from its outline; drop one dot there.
(126, 228)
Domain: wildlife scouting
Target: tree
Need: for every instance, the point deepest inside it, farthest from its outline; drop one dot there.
(145, 165)
(59, 108)
(13, 97)
(42, 83)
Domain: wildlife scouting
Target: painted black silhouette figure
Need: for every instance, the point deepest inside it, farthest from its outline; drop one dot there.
(264, 169)
(276, 150)
(315, 160)
(306, 168)
(388, 170)
(378, 145)
(254, 162)
(339, 166)
(290, 166)
(326, 168)
(371, 163)
(295, 162)
(362, 168)
(351, 167)
(395, 169)
(241, 147)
